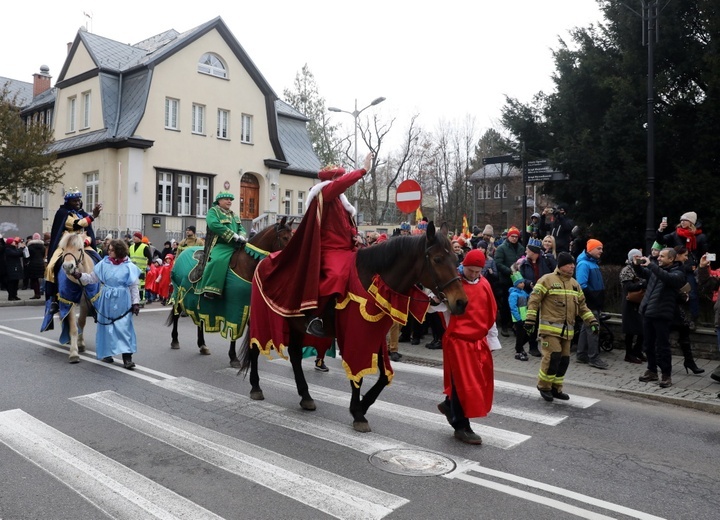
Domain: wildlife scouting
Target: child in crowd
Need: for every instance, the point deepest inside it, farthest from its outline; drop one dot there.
(517, 298)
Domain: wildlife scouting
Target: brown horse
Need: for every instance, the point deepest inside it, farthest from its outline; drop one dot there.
(206, 314)
(364, 317)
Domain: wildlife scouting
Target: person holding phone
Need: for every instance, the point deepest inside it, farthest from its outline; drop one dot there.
(687, 233)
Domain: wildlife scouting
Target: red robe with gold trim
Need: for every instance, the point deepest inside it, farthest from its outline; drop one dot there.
(467, 360)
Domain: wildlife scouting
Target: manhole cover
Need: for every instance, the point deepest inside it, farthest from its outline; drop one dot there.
(413, 463)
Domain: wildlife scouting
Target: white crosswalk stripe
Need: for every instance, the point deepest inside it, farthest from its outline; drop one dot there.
(113, 488)
(328, 492)
(434, 421)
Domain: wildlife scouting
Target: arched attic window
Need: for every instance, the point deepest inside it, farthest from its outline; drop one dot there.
(211, 64)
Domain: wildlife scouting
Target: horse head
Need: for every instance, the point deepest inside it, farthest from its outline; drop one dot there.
(274, 237)
(440, 273)
(73, 254)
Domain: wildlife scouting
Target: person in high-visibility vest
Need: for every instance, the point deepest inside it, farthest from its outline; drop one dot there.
(140, 256)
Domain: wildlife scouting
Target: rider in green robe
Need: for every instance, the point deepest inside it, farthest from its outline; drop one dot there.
(225, 234)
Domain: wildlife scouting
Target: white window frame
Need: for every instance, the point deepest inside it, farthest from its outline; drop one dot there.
(483, 192)
(500, 192)
(212, 65)
(172, 111)
(246, 131)
(287, 201)
(301, 203)
(202, 196)
(86, 105)
(164, 193)
(184, 192)
(197, 125)
(223, 124)
(91, 197)
(71, 118)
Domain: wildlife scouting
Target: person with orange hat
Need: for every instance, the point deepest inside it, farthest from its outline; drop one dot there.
(590, 279)
(468, 373)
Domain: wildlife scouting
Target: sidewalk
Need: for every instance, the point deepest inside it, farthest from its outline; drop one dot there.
(689, 390)
(24, 299)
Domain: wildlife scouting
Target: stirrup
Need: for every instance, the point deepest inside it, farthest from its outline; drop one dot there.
(316, 328)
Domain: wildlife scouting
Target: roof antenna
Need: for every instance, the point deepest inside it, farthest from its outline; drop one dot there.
(89, 16)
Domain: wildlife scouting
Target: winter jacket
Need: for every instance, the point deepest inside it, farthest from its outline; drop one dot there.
(505, 256)
(709, 283)
(558, 299)
(517, 299)
(13, 263)
(36, 262)
(673, 240)
(661, 297)
(588, 275)
(561, 228)
(546, 265)
(631, 282)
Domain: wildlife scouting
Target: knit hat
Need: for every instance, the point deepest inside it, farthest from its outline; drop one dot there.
(690, 216)
(36, 236)
(656, 246)
(475, 258)
(488, 230)
(535, 245)
(565, 258)
(145, 240)
(461, 241)
(109, 237)
(633, 253)
(224, 195)
(516, 278)
(481, 245)
(592, 244)
(513, 231)
(137, 234)
(10, 241)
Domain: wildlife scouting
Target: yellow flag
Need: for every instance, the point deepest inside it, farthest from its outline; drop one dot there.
(418, 215)
(466, 228)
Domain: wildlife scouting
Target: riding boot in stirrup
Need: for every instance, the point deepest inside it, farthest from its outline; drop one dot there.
(316, 327)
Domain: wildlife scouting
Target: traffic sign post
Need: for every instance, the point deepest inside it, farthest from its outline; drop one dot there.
(408, 196)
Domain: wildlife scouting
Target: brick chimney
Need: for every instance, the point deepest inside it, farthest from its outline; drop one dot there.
(41, 80)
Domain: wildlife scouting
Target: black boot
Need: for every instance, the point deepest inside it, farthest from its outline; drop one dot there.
(128, 362)
(689, 362)
(716, 375)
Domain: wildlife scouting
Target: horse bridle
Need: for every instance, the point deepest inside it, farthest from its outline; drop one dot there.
(439, 288)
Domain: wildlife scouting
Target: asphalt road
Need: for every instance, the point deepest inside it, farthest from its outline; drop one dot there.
(179, 438)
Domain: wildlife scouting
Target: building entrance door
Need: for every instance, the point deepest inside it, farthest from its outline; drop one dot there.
(249, 197)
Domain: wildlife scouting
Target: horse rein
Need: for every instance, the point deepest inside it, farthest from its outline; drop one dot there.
(440, 294)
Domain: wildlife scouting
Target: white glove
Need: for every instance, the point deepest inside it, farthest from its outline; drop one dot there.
(239, 238)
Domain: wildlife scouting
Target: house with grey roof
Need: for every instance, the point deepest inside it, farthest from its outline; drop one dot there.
(155, 130)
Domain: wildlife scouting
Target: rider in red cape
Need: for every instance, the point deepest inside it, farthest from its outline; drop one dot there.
(467, 360)
(313, 268)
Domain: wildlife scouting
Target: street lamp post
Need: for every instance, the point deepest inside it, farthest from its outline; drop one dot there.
(356, 113)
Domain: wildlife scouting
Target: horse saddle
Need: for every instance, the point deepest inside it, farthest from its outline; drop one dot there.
(196, 273)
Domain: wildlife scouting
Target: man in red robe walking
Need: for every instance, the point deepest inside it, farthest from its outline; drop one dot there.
(467, 361)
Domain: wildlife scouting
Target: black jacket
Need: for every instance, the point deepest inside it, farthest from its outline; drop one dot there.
(661, 296)
(561, 228)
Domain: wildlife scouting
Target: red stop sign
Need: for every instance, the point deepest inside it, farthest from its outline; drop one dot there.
(408, 196)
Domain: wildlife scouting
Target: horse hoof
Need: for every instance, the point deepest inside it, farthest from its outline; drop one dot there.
(74, 359)
(175, 345)
(235, 363)
(308, 404)
(81, 348)
(204, 351)
(361, 426)
(257, 396)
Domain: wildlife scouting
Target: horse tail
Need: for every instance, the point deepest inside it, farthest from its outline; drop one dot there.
(244, 354)
(171, 317)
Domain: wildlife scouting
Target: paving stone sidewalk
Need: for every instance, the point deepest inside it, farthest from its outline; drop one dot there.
(689, 390)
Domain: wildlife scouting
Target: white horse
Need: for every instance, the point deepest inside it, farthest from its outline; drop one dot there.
(72, 294)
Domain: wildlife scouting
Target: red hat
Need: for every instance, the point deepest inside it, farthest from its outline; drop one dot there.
(475, 258)
(513, 231)
(137, 234)
(170, 256)
(10, 241)
(382, 237)
(461, 241)
(330, 172)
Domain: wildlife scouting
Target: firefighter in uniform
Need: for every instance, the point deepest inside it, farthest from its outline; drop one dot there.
(556, 300)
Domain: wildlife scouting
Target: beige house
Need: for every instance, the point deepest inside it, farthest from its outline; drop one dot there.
(155, 130)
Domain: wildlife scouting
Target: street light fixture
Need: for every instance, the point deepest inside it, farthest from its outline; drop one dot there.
(356, 113)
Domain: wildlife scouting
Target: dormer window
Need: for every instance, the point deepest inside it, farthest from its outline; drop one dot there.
(211, 64)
